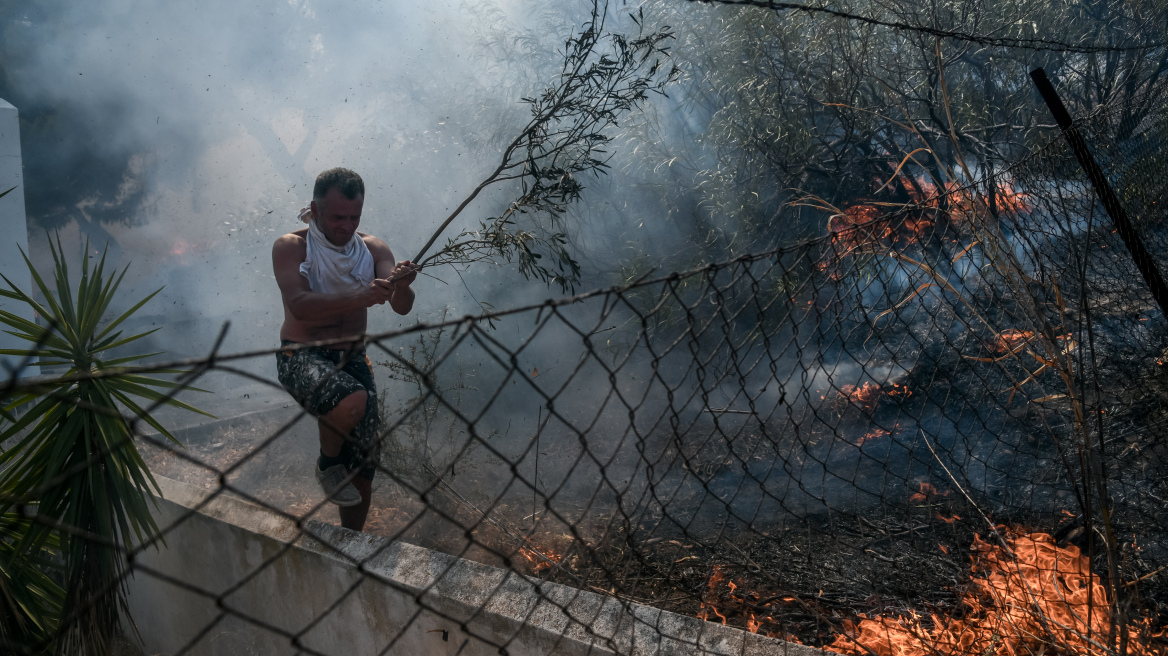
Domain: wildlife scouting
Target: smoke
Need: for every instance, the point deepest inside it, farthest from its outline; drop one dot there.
(191, 135)
(186, 137)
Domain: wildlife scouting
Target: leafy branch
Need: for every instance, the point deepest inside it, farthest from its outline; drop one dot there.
(603, 76)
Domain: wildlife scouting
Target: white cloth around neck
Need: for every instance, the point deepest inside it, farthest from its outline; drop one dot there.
(333, 269)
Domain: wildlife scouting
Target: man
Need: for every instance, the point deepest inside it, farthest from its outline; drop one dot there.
(329, 275)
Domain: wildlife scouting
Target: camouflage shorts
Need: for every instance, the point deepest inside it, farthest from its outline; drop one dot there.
(319, 378)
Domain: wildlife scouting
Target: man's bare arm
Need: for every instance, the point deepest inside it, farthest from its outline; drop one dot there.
(402, 275)
(288, 253)
(402, 300)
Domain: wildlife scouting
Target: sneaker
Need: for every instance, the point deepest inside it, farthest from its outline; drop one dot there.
(338, 491)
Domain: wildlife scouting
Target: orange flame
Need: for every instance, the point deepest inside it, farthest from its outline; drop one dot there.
(961, 201)
(1009, 341)
(538, 558)
(1041, 598)
(858, 226)
(864, 227)
(927, 491)
(874, 434)
(866, 396)
(710, 596)
(1011, 200)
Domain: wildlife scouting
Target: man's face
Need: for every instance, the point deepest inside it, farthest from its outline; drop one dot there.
(337, 216)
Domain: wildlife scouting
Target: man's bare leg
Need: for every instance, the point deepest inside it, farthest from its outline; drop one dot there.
(354, 516)
(331, 468)
(340, 421)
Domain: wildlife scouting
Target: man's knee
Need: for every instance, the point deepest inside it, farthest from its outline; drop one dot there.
(352, 407)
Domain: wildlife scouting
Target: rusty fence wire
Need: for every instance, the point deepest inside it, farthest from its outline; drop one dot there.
(940, 429)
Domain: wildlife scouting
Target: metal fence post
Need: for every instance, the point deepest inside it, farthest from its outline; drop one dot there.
(1131, 239)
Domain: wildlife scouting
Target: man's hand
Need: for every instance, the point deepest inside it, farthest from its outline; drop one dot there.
(404, 273)
(398, 283)
(378, 292)
(395, 287)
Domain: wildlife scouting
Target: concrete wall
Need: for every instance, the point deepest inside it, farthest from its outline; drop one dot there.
(235, 578)
(13, 229)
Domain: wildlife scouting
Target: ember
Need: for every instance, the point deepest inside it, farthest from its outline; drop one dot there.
(863, 396)
(726, 601)
(708, 606)
(875, 227)
(961, 201)
(857, 227)
(1009, 199)
(540, 558)
(866, 396)
(927, 492)
(898, 390)
(1010, 341)
(874, 434)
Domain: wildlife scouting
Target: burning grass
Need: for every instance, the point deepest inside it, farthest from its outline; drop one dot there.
(1033, 597)
(540, 559)
(1011, 340)
(867, 396)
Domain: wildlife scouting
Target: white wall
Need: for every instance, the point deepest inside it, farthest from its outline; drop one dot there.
(235, 578)
(13, 229)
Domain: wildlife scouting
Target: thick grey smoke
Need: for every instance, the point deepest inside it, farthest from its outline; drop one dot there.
(188, 136)
(201, 128)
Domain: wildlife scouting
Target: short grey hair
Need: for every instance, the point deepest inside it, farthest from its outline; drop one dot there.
(348, 182)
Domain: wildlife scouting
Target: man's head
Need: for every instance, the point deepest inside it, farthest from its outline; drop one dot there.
(337, 199)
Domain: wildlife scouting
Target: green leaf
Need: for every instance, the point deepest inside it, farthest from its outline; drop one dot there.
(108, 364)
(127, 340)
(33, 332)
(124, 385)
(125, 315)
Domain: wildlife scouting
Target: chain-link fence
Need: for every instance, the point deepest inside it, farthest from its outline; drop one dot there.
(939, 429)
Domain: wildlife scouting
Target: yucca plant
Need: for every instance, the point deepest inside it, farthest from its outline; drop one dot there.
(30, 600)
(72, 452)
